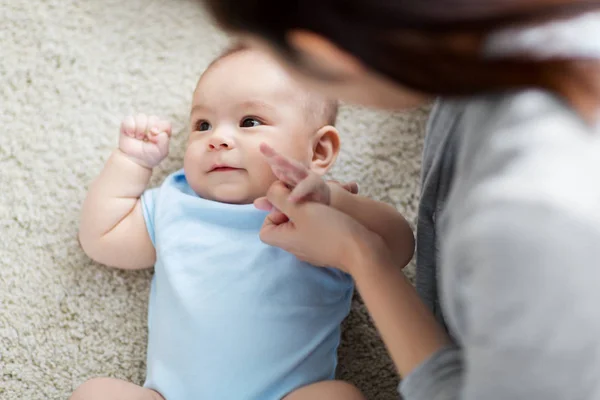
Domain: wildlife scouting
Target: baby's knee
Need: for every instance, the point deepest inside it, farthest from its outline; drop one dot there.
(113, 389)
(329, 390)
(344, 391)
(94, 389)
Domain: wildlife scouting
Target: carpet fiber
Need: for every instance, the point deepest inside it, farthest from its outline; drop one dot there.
(69, 71)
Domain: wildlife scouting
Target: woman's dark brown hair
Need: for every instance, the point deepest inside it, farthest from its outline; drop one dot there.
(434, 46)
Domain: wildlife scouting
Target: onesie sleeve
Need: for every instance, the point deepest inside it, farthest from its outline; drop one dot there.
(149, 209)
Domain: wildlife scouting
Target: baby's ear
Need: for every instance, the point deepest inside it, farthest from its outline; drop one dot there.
(326, 147)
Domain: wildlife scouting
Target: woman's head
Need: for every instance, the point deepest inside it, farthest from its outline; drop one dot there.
(431, 47)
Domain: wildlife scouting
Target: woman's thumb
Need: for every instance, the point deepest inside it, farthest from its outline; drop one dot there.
(271, 232)
(263, 204)
(278, 195)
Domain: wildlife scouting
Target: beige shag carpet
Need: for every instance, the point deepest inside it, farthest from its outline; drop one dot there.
(69, 71)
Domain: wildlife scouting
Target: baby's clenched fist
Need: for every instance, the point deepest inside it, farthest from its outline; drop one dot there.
(145, 139)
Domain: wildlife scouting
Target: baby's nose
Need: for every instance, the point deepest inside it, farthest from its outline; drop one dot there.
(220, 143)
(220, 146)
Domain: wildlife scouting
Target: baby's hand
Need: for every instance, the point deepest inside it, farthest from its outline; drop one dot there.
(305, 184)
(145, 139)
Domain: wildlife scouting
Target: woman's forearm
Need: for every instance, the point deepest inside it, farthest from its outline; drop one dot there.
(408, 329)
(380, 218)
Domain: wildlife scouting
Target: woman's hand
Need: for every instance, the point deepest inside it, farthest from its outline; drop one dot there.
(306, 185)
(316, 233)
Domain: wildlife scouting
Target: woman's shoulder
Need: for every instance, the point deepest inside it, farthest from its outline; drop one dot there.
(529, 145)
(476, 122)
(528, 112)
(489, 125)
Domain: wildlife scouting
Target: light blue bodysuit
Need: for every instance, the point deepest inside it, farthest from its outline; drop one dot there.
(229, 316)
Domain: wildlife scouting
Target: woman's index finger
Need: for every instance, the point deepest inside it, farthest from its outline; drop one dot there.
(291, 167)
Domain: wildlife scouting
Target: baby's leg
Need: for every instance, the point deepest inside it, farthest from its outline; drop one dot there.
(113, 389)
(327, 390)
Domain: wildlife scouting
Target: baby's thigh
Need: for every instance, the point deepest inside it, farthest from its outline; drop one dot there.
(113, 389)
(326, 390)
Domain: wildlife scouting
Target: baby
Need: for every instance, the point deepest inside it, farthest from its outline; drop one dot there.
(229, 316)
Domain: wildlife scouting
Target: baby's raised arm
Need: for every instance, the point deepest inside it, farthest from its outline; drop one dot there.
(112, 229)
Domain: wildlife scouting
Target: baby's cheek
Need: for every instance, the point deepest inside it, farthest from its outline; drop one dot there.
(193, 169)
(263, 177)
(188, 156)
(190, 163)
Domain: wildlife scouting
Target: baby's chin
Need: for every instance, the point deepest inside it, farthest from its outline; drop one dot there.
(227, 193)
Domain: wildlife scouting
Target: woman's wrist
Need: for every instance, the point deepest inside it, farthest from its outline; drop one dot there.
(365, 251)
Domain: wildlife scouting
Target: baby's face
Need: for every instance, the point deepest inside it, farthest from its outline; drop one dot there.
(242, 101)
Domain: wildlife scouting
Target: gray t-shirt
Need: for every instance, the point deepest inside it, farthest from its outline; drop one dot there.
(510, 226)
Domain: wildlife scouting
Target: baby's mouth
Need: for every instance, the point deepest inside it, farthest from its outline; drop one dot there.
(223, 168)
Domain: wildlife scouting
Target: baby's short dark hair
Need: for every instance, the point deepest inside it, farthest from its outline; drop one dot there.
(321, 109)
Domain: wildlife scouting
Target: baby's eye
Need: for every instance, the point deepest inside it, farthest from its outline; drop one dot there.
(203, 126)
(250, 122)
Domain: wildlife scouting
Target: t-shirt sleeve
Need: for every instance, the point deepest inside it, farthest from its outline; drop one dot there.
(149, 208)
(520, 260)
(438, 378)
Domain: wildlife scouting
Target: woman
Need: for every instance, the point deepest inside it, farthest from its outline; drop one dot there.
(510, 204)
